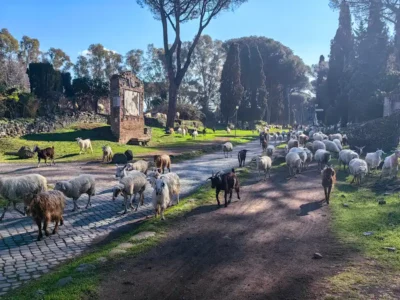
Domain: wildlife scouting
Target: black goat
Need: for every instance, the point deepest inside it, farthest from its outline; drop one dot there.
(225, 182)
(205, 131)
(213, 129)
(45, 154)
(242, 157)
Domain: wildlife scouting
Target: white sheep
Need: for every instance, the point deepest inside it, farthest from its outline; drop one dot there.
(336, 136)
(318, 137)
(140, 165)
(293, 161)
(184, 131)
(132, 184)
(147, 115)
(122, 171)
(293, 143)
(359, 169)
(84, 145)
(318, 145)
(177, 115)
(228, 130)
(264, 163)
(338, 144)
(345, 156)
(302, 154)
(270, 150)
(74, 188)
(331, 147)
(195, 134)
(158, 115)
(309, 158)
(322, 157)
(226, 148)
(21, 189)
(391, 165)
(179, 130)
(374, 159)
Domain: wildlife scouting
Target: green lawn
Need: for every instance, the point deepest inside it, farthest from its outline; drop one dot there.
(84, 285)
(67, 149)
(377, 271)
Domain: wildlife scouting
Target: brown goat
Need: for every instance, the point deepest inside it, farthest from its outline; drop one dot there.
(328, 181)
(45, 154)
(163, 161)
(47, 207)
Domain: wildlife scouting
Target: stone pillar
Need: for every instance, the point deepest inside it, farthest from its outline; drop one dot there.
(126, 107)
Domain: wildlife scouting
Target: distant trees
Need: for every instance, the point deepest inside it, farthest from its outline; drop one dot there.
(231, 89)
(270, 73)
(172, 15)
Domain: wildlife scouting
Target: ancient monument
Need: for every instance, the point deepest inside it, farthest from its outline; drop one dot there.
(126, 107)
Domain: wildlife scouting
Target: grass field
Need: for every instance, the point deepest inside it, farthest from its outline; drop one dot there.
(67, 149)
(84, 284)
(356, 211)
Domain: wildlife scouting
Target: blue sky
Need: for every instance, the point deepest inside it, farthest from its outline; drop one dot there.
(306, 26)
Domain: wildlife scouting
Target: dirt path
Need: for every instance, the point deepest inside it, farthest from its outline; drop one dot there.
(260, 247)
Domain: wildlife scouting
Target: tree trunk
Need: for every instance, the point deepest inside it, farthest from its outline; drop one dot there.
(172, 98)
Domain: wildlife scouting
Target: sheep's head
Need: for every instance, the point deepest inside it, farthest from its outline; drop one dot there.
(157, 158)
(116, 192)
(120, 171)
(61, 186)
(159, 186)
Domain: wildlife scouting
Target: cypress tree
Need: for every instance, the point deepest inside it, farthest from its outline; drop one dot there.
(231, 89)
(341, 56)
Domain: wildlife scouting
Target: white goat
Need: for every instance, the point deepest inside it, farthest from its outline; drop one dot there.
(195, 134)
(226, 148)
(84, 145)
(293, 161)
(160, 197)
(374, 159)
(391, 165)
(345, 156)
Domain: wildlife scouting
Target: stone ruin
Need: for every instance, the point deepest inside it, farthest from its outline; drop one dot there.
(126, 107)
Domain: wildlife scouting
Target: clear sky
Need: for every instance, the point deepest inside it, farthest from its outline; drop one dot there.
(306, 26)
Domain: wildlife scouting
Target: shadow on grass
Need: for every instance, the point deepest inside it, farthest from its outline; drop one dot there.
(99, 133)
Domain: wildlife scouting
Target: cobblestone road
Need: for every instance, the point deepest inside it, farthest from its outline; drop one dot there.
(22, 258)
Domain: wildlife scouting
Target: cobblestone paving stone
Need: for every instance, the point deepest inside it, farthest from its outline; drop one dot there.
(22, 258)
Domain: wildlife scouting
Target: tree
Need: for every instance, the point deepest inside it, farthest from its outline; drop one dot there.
(231, 89)
(258, 99)
(59, 59)
(340, 60)
(113, 63)
(134, 59)
(81, 67)
(8, 44)
(370, 68)
(29, 50)
(320, 87)
(172, 15)
(97, 55)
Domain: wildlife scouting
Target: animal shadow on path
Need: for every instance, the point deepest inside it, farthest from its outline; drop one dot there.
(309, 207)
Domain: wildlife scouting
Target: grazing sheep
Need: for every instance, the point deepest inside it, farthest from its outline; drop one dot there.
(338, 144)
(360, 149)
(293, 143)
(195, 134)
(322, 157)
(177, 115)
(270, 150)
(345, 156)
(163, 161)
(331, 147)
(140, 165)
(226, 148)
(328, 181)
(359, 169)
(318, 145)
(228, 130)
(293, 161)
(84, 145)
(147, 115)
(336, 136)
(107, 154)
(264, 163)
(158, 115)
(160, 197)
(132, 184)
(47, 207)
(184, 131)
(225, 182)
(242, 157)
(171, 179)
(21, 189)
(391, 165)
(374, 159)
(74, 188)
(179, 130)
(45, 154)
